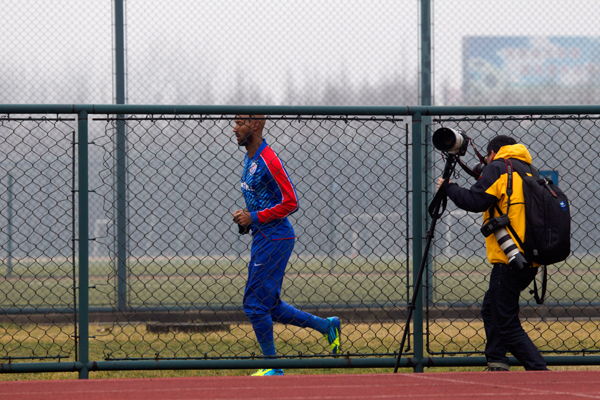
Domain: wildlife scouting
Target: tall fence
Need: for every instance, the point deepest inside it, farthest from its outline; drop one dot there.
(306, 52)
(119, 251)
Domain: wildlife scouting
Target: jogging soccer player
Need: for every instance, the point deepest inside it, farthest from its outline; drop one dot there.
(270, 197)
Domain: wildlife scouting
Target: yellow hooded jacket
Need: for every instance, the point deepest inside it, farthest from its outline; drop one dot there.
(491, 189)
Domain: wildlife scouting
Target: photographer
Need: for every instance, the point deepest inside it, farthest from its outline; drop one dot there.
(500, 310)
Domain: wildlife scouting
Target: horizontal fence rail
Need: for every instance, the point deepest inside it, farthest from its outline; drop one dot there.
(118, 250)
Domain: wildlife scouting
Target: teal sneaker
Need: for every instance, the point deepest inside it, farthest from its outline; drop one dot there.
(268, 372)
(333, 335)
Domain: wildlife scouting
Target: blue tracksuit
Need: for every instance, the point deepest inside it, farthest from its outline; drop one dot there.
(270, 197)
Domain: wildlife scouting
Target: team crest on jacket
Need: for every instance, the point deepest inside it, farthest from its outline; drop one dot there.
(253, 168)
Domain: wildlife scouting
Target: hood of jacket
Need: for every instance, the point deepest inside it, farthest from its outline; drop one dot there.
(517, 151)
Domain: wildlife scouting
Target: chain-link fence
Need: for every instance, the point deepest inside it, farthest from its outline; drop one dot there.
(37, 217)
(56, 52)
(567, 322)
(186, 260)
(352, 52)
(167, 267)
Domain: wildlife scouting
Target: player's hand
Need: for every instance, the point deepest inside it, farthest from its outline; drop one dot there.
(242, 217)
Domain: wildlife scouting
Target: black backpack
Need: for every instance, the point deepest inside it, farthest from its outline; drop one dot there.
(547, 221)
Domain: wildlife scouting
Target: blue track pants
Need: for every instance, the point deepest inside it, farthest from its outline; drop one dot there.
(262, 302)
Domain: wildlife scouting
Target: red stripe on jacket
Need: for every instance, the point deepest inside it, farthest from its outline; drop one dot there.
(289, 201)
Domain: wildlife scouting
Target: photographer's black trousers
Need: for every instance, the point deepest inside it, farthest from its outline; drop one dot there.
(500, 312)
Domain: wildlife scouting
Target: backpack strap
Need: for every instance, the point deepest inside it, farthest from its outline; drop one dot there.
(538, 299)
(510, 228)
(509, 191)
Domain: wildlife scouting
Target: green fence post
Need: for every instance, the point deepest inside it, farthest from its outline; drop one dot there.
(426, 94)
(9, 226)
(417, 215)
(426, 72)
(119, 9)
(84, 285)
(121, 214)
(121, 158)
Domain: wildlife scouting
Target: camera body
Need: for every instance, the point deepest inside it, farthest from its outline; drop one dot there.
(497, 226)
(494, 224)
(478, 168)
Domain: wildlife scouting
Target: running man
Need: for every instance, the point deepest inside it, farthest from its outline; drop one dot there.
(270, 197)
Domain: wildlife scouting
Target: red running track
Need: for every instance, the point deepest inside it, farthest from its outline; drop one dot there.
(452, 385)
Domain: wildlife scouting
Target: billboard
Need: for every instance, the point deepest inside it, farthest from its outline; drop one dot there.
(509, 64)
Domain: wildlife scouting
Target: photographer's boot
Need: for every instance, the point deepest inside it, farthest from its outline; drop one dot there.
(498, 366)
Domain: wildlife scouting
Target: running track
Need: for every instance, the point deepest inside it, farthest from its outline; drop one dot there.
(452, 385)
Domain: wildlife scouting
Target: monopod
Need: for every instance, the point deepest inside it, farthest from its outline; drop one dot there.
(436, 209)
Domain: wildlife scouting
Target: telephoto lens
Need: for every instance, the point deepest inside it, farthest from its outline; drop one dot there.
(453, 141)
(515, 257)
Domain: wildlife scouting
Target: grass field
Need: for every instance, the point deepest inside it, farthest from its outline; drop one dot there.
(313, 281)
(220, 281)
(204, 281)
(362, 338)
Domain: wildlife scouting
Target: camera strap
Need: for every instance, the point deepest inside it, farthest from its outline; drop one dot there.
(509, 192)
(470, 170)
(481, 158)
(509, 181)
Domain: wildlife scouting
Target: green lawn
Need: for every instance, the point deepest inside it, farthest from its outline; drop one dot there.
(362, 338)
(221, 281)
(312, 281)
(207, 281)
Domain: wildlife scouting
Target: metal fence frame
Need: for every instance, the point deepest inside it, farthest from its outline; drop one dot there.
(420, 115)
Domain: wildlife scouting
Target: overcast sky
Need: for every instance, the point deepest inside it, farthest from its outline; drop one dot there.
(64, 46)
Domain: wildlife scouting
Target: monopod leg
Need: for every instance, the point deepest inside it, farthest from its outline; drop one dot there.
(440, 198)
(411, 305)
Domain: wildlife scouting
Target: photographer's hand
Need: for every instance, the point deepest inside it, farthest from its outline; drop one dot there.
(440, 181)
